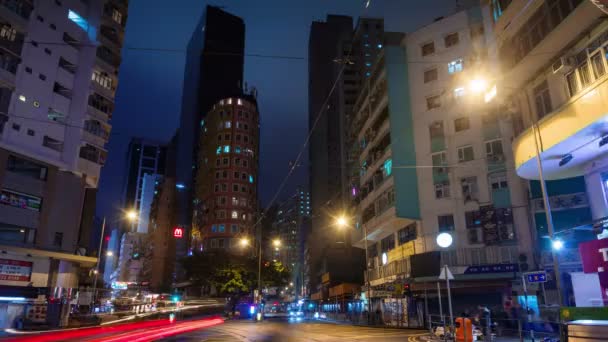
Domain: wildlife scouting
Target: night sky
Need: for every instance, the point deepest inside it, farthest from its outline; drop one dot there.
(149, 93)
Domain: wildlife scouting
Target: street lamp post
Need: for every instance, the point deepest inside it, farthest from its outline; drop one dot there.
(131, 216)
(245, 242)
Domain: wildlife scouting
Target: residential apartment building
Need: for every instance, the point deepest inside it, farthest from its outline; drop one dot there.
(342, 56)
(437, 161)
(58, 73)
(553, 71)
(226, 182)
(214, 71)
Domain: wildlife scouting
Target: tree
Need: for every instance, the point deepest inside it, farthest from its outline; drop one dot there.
(232, 274)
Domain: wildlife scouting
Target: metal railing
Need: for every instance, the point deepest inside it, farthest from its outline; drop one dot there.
(500, 329)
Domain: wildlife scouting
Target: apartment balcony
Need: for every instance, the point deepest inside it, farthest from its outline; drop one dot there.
(373, 134)
(110, 37)
(100, 107)
(108, 59)
(96, 132)
(8, 68)
(14, 45)
(16, 11)
(578, 125)
(382, 224)
(389, 272)
(526, 50)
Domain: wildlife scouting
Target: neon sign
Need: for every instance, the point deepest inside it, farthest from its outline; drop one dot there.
(178, 232)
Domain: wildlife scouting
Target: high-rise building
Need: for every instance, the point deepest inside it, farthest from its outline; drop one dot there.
(56, 101)
(226, 182)
(214, 71)
(559, 109)
(291, 227)
(144, 157)
(340, 59)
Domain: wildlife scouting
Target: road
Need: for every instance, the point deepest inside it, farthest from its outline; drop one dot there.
(281, 330)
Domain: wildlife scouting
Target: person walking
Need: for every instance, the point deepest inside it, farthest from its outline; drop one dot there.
(486, 316)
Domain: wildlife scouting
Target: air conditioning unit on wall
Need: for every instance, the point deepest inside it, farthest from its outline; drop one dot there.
(562, 65)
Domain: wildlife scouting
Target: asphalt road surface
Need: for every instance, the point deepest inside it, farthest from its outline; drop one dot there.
(282, 330)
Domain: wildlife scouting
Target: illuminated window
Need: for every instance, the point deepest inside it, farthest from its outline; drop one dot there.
(235, 214)
(214, 229)
(388, 167)
(455, 66)
(228, 124)
(459, 92)
(237, 149)
(218, 150)
(239, 102)
(78, 20)
(226, 149)
(250, 179)
(221, 228)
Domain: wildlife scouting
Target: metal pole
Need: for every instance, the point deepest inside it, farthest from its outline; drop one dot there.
(426, 303)
(546, 203)
(439, 297)
(367, 290)
(103, 228)
(260, 272)
(447, 284)
(542, 286)
(529, 315)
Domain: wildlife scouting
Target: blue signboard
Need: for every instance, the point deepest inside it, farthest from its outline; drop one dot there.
(497, 268)
(537, 277)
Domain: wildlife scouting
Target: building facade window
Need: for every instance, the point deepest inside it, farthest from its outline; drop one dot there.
(461, 124)
(542, 98)
(430, 75)
(442, 190)
(498, 181)
(428, 49)
(387, 243)
(433, 102)
(445, 223)
(455, 66)
(494, 149)
(465, 154)
(469, 188)
(451, 39)
(407, 234)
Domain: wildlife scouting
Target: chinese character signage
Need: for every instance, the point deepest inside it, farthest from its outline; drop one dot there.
(498, 268)
(15, 270)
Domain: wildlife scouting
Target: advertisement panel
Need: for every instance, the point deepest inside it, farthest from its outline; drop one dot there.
(15, 270)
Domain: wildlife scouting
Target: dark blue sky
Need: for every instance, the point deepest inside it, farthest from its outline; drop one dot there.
(149, 93)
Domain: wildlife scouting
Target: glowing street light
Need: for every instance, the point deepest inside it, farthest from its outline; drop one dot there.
(131, 215)
(478, 85)
(444, 240)
(244, 242)
(276, 243)
(341, 221)
(109, 253)
(557, 244)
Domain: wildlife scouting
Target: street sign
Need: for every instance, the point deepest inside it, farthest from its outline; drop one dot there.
(445, 270)
(537, 277)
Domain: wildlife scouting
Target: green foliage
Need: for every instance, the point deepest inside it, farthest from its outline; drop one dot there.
(233, 274)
